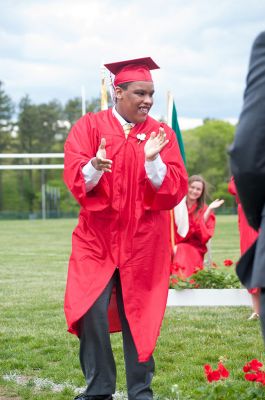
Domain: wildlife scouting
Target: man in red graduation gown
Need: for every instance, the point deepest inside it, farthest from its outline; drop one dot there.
(125, 170)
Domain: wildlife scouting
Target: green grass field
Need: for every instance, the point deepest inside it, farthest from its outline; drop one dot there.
(36, 350)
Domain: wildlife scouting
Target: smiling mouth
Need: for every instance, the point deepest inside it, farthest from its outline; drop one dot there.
(144, 110)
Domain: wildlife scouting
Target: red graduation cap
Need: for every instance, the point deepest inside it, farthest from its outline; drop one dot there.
(132, 70)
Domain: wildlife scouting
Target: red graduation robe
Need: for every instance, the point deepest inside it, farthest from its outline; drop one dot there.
(123, 223)
(247, 234)
(192, 248)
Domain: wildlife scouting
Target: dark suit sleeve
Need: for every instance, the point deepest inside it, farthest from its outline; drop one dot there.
(248, 150)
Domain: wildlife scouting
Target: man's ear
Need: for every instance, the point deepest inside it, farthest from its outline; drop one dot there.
(118, 92)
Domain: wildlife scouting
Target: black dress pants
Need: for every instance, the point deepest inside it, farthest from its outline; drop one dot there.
(96, 357)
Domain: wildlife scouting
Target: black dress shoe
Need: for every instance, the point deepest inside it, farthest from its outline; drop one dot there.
(84, 396)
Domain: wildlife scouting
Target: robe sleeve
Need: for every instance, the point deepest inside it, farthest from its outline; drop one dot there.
(205, 230)
(232, 189)
(232, 186)
(175, 184)
(81, 145)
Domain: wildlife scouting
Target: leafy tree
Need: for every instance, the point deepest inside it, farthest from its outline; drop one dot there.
(206, 150)
(38, 125)
(49, 130)
(38, 133)
(43, 129)
(28, 125)
(93, 105)
(73, 108)
(6, 112)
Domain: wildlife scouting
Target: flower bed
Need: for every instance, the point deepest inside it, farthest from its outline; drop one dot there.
(208, 287)
(219, 387)
(207, 278)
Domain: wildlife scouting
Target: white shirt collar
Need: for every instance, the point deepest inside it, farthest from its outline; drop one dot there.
(121, 120)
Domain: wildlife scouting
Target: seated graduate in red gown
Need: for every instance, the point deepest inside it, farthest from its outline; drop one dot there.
(189, 251)
(247, 236)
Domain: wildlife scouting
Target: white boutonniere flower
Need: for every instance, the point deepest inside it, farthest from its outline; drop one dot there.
(141, 137)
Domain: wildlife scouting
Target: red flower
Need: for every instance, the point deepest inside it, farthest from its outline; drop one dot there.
(209, 373)
(246, 368)
(214, 376)
(251, 377)
(173, 281)
(228, 263)
(252, 369)
(207, 368)
(220, 373)
(261, 378)
(253, 365)
(223, 371)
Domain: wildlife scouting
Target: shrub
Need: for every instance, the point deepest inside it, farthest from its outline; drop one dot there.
(206, 279)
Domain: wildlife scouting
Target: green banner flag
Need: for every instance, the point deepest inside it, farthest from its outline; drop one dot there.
(173, 123)
(179, 215)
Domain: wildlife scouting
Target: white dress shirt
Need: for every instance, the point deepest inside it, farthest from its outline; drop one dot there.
(155, 170)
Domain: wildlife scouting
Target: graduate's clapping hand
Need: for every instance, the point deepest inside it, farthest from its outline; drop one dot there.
(155, 144)
(100, 162)
(216, 203)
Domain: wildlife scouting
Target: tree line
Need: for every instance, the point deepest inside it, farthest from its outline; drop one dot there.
(43, 128)
(206, 149)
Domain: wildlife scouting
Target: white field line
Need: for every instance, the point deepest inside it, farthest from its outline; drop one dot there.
(41, 384)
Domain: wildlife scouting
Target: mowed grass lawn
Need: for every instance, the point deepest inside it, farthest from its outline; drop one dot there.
(35, 346)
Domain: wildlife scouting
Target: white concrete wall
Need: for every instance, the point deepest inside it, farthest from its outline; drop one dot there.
(208, 297)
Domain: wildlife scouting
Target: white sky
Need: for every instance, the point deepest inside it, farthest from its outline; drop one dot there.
(50, 48)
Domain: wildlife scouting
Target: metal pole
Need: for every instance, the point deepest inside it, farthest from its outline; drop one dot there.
(83, 95)
(43, 201)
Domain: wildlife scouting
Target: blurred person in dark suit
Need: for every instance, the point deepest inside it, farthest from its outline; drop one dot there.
(248, 167)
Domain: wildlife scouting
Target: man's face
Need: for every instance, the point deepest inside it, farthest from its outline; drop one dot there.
(134, 103)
